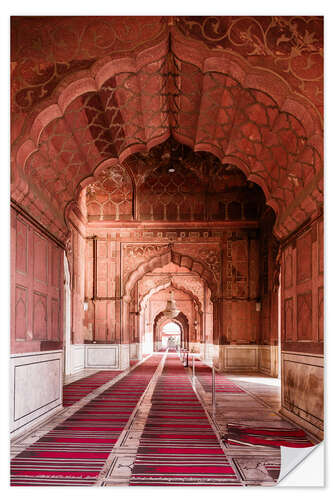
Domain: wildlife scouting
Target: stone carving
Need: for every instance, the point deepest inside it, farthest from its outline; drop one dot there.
(145, 251)
(212, 259)
(291, 46)
(208, 255)
(135, 255)
(110, 196)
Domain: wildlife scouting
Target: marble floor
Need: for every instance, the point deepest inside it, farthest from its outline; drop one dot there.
(258, 405)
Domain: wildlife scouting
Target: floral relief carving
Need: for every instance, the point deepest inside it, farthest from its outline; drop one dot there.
(134, 255)
(212, 259)
(288, 45)
(279, 145)
(46, 50)
(145, 251)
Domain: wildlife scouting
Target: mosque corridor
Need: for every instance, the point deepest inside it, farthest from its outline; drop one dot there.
(151, 425)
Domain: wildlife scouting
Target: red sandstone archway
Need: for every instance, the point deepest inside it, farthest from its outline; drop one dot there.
(161, 260)
(169, 283)
(245, 116)
(160, 320)
(187, 333)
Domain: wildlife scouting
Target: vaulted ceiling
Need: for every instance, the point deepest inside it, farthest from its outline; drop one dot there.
(94, 95)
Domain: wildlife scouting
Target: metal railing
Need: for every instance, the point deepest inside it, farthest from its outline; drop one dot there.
(184, 355)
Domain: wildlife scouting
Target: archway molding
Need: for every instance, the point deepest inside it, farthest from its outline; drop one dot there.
(161, 260)
(281, 151)
(160, 320)
(169, 283)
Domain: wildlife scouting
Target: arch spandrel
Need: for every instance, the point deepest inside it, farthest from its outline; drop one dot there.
(274, 136)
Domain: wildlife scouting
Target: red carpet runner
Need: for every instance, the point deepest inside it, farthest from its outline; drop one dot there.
(222, 383)
(266, 436)
(178, 446)
(74, 453)
(80, 388)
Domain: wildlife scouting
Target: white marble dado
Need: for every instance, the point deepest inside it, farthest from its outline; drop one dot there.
(268, 360)
(99, 357)
(124, 356)
(102, 356)
(239, 358)
(202, 351)
(36, 388)
(302, 376)
(77, 357)
(135, 351)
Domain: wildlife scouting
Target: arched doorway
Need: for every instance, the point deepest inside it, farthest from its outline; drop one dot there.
(171, 335)
(161, 321)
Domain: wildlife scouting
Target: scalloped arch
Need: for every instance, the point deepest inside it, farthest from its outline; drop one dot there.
(165, 285)
(181, 320)
(220, 104)
(161, 260)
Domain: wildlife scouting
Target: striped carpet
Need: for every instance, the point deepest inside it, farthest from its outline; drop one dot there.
(222, 383)
(74, 453)
(266, 436)
(80, 388)
(178, 446)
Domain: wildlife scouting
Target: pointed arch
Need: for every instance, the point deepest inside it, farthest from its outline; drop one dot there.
(161, 260)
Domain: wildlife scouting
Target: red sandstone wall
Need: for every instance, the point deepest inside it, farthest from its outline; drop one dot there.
(36, 288)
(78, 287)
(241, 288)
(302, 305)
(268, 286)
(115, 260)
(102, 288)
(302, 291)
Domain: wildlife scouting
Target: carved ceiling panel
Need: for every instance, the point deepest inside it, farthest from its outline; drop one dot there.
(45, 50)
(176, 183)
(289, 46)
(219, 86)
(111, 196)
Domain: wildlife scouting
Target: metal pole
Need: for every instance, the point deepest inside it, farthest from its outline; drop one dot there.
(193, 367)
(213, 389)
